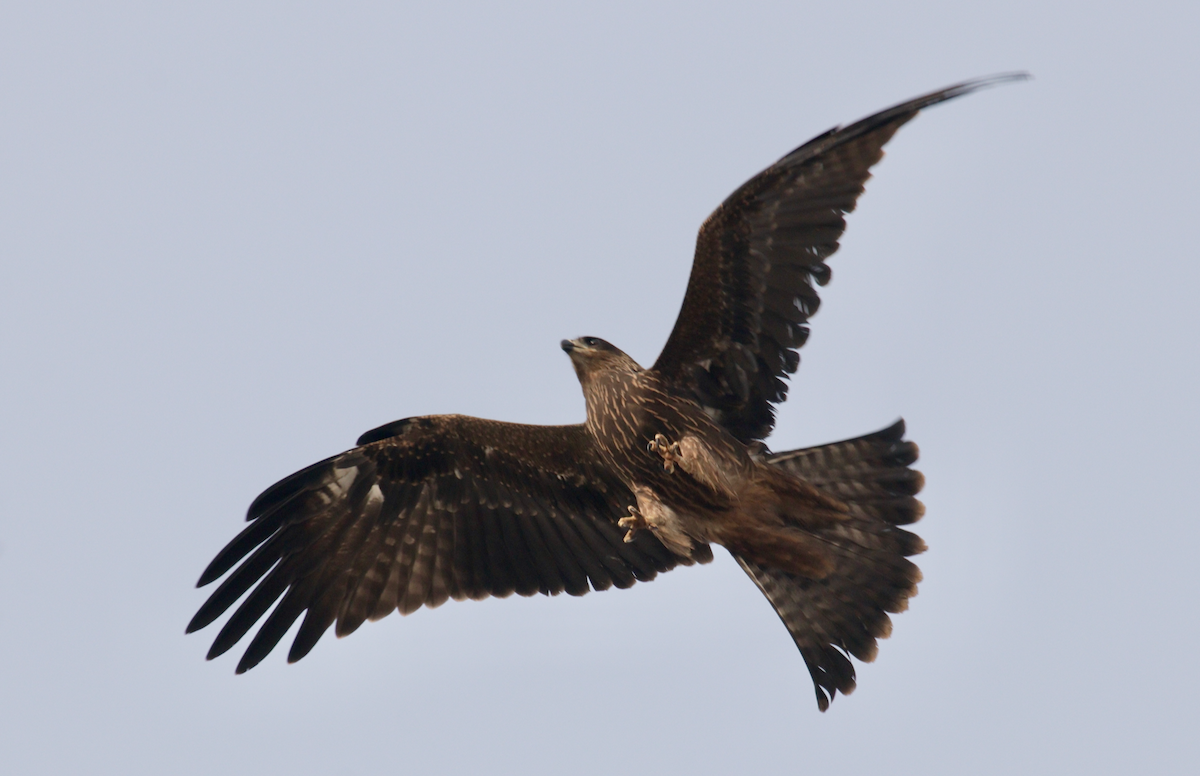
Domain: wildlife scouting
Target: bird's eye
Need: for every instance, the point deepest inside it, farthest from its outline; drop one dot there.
(590, 341)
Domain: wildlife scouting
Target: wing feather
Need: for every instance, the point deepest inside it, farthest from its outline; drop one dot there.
(321, 613)
(760, 258)
(574, 575)
(425, 510)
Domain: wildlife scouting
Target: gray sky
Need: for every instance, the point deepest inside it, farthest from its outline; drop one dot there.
(236, 235)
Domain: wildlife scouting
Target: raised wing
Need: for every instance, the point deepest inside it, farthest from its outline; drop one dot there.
(425, 510)
(758, 259)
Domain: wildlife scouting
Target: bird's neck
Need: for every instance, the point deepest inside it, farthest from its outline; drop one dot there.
(608, 393)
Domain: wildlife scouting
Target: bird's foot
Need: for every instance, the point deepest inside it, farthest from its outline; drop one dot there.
(634, 523)
(670, 452)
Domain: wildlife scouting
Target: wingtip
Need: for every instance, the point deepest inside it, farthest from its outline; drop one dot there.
(985, 82)
(199, 620)
(250, 658)
(998, 78)
(969, 86)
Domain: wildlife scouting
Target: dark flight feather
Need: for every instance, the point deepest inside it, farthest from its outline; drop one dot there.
(761, 255)
(428, 509)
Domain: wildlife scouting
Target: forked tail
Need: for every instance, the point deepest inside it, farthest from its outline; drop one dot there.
(846, 611)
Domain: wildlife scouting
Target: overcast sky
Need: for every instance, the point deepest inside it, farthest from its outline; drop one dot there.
(233, 236)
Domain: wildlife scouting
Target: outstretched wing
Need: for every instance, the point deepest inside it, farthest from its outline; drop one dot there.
(758, 259)
(425, 510)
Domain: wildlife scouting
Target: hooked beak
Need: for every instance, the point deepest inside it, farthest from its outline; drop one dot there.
(567, 346)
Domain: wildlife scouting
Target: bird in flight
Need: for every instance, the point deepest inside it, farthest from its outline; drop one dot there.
(669, 461)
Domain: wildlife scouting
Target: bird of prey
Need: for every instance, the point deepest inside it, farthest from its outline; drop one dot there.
(669, 461)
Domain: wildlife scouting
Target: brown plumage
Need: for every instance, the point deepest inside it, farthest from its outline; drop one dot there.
(668, 462)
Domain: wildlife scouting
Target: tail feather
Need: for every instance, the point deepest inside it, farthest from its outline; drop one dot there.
(846, 611)
(869, 472)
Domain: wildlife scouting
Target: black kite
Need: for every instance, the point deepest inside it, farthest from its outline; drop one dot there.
(669, 461)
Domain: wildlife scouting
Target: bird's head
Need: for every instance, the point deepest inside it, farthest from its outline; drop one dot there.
(592, 355)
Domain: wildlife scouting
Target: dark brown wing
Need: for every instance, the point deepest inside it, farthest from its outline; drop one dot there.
(759, 256)
(425, 510)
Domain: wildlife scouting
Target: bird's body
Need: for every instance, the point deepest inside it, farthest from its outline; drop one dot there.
(669, 461)
(699, 484)
(629, 407)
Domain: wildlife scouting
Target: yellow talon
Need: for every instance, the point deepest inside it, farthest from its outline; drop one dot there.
(634, 522)
(669, 451)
